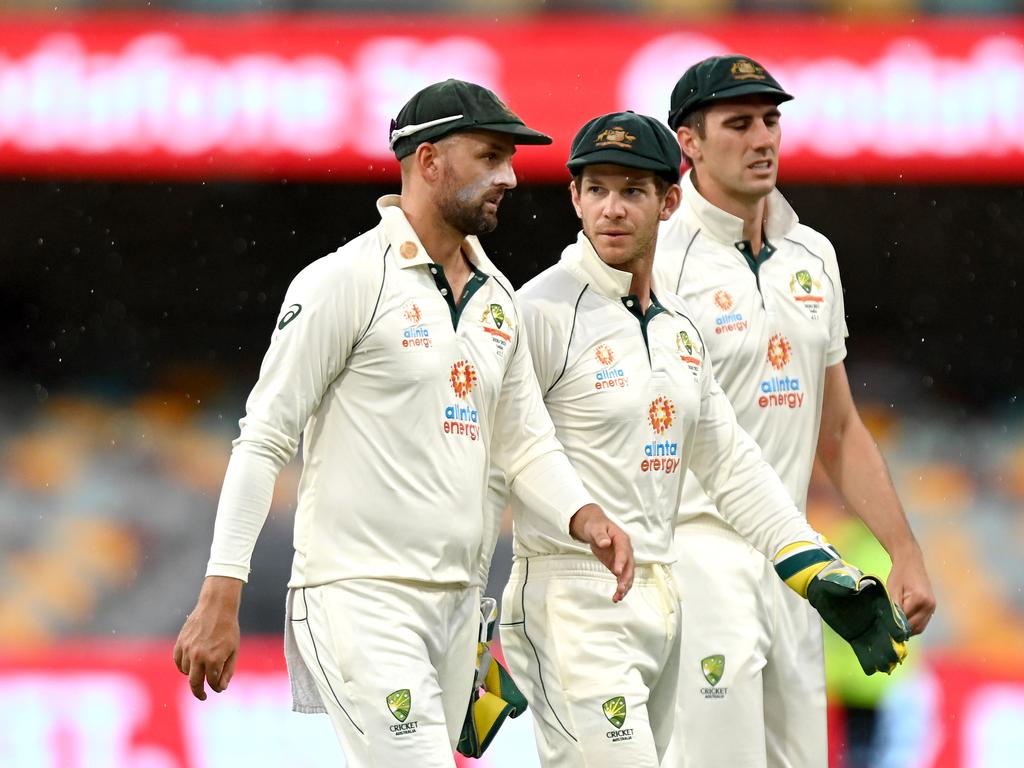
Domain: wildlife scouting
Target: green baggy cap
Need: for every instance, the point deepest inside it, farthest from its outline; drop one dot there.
(718, 78)
(455, 105)
(629, 140)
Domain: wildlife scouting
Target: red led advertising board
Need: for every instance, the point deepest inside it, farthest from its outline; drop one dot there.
(311, 97)
(122, 704)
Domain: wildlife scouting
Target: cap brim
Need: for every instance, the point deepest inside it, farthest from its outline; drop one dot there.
(612, 156)
(519, 132)
(735, 92)
(749, 89)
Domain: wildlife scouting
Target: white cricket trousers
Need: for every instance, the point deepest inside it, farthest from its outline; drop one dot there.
(600, 677)
(752, 669)
(394, 663)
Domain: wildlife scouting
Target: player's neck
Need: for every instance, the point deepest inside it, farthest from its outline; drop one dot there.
(442, 242)
(753, 211)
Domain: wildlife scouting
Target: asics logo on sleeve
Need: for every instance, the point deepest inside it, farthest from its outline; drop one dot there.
(291, 314)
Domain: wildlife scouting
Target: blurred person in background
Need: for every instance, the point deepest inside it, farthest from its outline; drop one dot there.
(768, 300)
(634, 402)
(399, 361)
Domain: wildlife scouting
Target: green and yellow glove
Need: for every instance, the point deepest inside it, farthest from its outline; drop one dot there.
(494, 696)
(855, 605)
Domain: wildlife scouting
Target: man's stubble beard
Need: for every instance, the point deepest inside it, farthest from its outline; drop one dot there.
(461, 207)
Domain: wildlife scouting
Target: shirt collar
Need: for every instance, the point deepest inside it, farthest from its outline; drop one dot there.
(728, 229)
(582, 261)
(408, 249)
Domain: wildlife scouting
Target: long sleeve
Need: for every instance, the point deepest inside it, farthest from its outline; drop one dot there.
(526, 448)
(312, 339)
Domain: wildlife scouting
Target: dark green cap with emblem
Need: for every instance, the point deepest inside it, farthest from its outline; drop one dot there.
(629, 140)
(718, 78)
(455, 105)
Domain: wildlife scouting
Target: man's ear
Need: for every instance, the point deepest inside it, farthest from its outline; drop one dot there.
(427, 161)
(689, 142)
(673, 198)
(575, 195)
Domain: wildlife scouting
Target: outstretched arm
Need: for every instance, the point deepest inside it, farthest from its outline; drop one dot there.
(854, 464)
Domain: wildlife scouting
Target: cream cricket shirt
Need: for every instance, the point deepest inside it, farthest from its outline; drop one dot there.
(772, 327)
(402, 397)
(635, 403)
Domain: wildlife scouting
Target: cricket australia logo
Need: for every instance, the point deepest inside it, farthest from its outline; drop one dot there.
(727, 321)
(661, 455)
(713, 667)
(610, 374)
(415, 334)
(493, 320)
(461, 418)
(400, 704)
(615, 713)
(807, 293)
(690, 352)
(776, 391)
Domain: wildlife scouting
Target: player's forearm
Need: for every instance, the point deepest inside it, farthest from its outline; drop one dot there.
(854, 464)
(244, 504)
(550, 487)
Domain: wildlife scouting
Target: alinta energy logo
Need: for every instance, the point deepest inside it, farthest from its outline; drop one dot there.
(415, 334)
(780, 391)
(498, 325)
(728, 321)
(615, 713)
(610, 374)
(400, 704)
(661, 455)
(713, 667)
(461, 418)
(807, 293)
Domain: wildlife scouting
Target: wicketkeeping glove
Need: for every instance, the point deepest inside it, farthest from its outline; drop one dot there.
(494, 696)
(855, 605)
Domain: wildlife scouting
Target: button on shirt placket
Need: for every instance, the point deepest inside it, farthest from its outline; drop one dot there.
(632, 305)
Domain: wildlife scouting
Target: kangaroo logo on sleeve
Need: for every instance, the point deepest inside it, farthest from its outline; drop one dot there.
(291, 314)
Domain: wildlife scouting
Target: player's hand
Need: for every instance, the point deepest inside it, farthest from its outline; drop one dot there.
(609, 543)
(859, 609)
(911, 589)
(207, 645)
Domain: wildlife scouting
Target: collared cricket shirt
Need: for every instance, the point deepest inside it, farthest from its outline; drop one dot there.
(403, 396)
(774, 322)
(635, 403)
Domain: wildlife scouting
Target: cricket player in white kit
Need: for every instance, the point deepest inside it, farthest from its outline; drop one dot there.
(401, 361)
(634, 402)
(766, 295)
